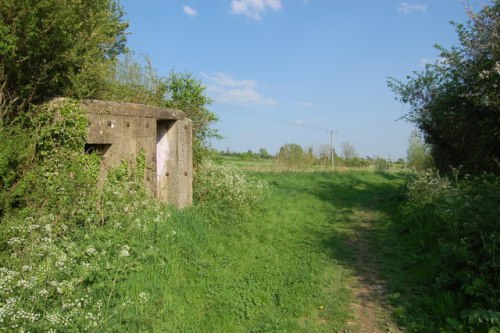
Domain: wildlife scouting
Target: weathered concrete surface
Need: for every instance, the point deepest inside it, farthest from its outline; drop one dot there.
(120, 131)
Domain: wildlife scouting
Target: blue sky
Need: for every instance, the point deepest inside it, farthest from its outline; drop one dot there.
(286, 71)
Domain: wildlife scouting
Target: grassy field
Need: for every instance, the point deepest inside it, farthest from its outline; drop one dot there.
(270, 165)
(294, 266)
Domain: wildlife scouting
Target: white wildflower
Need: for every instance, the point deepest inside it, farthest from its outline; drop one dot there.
(125, 251)
(91, 251)
(143, 297)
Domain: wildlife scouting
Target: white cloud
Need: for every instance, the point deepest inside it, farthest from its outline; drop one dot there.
(297, 122)
(191, 12)
(226, 80)
(408, 8)
(254, 9)
(224, 88)
(305, 104)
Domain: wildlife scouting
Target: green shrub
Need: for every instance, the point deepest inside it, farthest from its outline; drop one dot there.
(455, 224)
(293, 156)
(59, 275)
(226, 189)
(57, 48)
(381, 165)
(16, 154)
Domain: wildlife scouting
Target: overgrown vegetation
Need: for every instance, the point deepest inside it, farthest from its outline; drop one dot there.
(453, 225)
(227, 190)
(454, 222)
(51, 48)
(136, 81)
(67, 244)
(418, 154)
(63, 240)
(78, 256)
(455, 102)
(56, 48)
(451, 221)
(66, 241)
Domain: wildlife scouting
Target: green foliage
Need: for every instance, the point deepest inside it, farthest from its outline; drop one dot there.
(44, 153)
(59, 274)
(60, 125)
(455, 102)
(455, 225)
(135, 81)
(186, 93)
(381, 164)
(16, 154)
(263, 153)
(356, 162)
(292, 155)
(57, 48)
(227, 190)
(418, 154)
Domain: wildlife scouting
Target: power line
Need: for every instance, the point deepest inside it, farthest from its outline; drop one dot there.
(258, 115)
(262, 116)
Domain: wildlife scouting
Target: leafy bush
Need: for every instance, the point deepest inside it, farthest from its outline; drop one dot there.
(54, 171)
(455, 101)
(227, 190)
(455, 224)
(15, 155)
(381, 164)
(57, 48)
(292, 156)
(418, 155)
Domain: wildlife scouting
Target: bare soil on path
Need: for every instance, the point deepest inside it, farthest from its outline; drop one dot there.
(371, 309)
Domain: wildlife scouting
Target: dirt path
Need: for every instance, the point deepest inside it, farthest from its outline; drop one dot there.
(371, 311)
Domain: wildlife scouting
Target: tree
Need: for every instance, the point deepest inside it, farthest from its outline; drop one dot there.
(455, 102)
(418, 154)
(263, 153)
(57, 48)
(324, 153)
(348, 151)
(291, 155)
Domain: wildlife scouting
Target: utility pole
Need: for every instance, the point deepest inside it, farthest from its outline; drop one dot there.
(331, 148)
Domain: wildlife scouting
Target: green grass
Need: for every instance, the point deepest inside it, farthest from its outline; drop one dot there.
(285, 269)
(270, 165)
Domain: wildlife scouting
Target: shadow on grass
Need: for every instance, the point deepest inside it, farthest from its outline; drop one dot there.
(362, 233)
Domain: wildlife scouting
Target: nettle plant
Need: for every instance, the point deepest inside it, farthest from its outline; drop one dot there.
(66, 243)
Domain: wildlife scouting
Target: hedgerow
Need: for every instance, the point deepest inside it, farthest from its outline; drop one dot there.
(454, 222)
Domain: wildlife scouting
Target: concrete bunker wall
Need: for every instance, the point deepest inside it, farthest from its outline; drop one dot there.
(120, 131)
